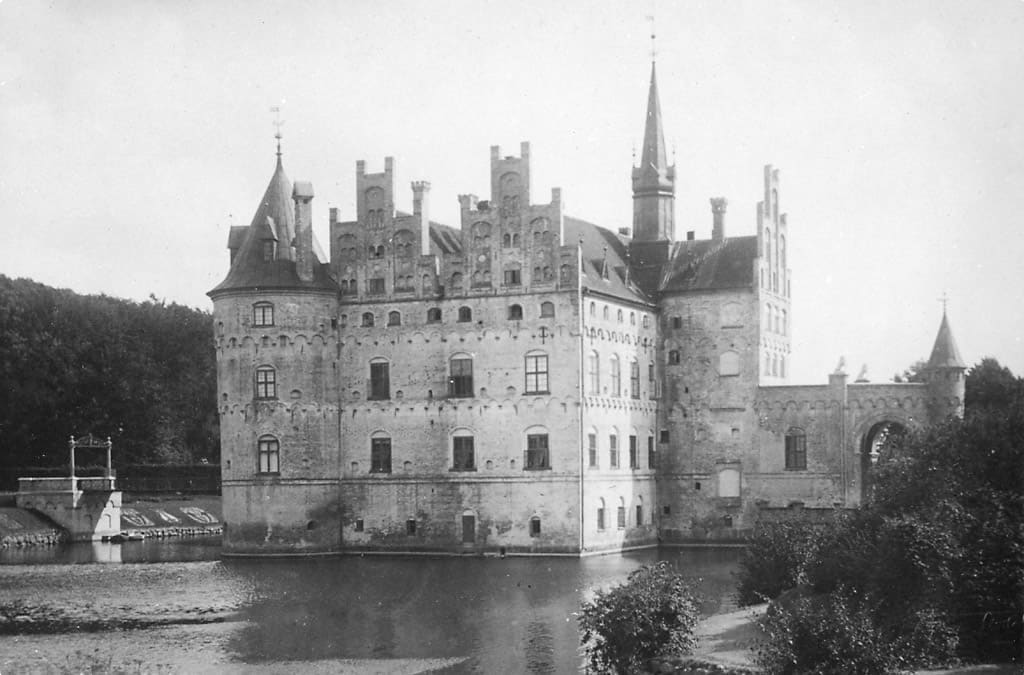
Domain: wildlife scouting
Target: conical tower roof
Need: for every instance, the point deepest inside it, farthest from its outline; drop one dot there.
(274, 220)
(653, 157)
(944, 353)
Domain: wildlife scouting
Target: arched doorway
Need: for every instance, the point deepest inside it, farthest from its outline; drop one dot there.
(877, 445)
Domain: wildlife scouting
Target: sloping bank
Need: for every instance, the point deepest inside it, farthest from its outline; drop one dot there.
(143, 517)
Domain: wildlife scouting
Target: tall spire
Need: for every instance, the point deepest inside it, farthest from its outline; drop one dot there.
(654, 179)
(944, 352)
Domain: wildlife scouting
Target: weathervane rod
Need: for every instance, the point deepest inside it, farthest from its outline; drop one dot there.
(278, 122)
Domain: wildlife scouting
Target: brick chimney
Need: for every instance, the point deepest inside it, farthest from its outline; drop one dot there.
(302, 193)
(718, 206)
(421, 209)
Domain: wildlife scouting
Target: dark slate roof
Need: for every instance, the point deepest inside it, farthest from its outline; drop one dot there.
(602, 248)
(944, 353)
(448, 239)
(710, 264)
(274, 219)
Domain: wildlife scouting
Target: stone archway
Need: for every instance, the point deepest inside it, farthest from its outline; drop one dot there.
(876, 445)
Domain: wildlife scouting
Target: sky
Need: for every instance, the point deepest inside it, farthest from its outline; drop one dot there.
(134, 134)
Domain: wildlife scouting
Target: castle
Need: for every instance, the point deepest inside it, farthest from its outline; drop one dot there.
(528, 382)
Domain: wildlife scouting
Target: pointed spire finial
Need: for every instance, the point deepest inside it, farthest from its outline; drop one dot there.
(654, 49)
(944, 299)
(278, 122)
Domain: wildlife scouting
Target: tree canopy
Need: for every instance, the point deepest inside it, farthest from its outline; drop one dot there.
(142, 373)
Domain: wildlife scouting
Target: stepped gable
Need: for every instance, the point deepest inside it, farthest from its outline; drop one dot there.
(602, 248)
(944, 352)
(274, 220)
(708, 265)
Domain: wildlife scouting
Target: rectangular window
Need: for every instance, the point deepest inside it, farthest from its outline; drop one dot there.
(613, 451)
(380, 382)
(268, 250)
(537, 374)
(359, 524)
(269, 455)
(513, 278)
(616, 378)
(537, 452)
(376, 287)
(664, 436)
(634, 379)
(592, 449)
(600, 518)
(410, 527)
(634, 453)
(534, 527)
(796, 452)
(593, 367)
(460, 383)
(380, 455)
(677, 322)
(639, 515)
(266, 383)
(263, 314)
(462, 454)
(652, 458)
(620, 517)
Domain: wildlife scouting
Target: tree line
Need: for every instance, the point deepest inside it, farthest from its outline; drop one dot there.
(142, 373)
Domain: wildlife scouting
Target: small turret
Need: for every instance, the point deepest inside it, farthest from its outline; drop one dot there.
(945, 375)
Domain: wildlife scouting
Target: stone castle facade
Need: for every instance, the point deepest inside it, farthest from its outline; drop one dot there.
(527, 382)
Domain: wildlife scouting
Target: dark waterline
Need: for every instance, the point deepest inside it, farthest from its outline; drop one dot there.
(485, 614)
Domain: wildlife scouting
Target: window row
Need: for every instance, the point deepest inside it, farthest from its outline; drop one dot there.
(620, 514)
(728, 362)
(468, 527)
(775, 365)
(465, 314)
(620, 316)
(614, 455)
(615, 377)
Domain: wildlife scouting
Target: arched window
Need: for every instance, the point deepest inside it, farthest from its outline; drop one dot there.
(639, 511)
(632, 318)
(768, 317)
(460, 381)
(515, 312)
(647, 321)
(380, 380)
(547, 309)
(613, 449)
(782, 252)
(618, 316)
(592, 448)
(768, 246)
(606, 312)
(456, 281)
(673, 357)
(268, 455)
(537, 454)
(263, 314)
(367, 319)
(394, 318)
(600, 514)
(634, 379)
(796, 449)
(729, 363)
(535, 526)
(380, 452)
(775, 365)
(465, 314)
(782, 366)
(266, 382)
(593, 308)
(536, 373)
(434, 315)
(767, 364)
(620, 514)
(463, 452)
(785, 327)
(594, 373)
(616, 375)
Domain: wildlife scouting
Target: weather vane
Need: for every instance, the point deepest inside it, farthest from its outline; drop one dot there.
(278, 122)
(944, 299)
(654, 50)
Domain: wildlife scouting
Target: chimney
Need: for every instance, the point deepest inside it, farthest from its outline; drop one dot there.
(302, 193)
(718, 206)
(421, 209)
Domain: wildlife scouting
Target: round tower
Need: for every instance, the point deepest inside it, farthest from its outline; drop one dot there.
(944, 375)
(276, 338)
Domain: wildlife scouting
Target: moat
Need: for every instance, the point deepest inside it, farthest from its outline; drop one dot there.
(176, 607)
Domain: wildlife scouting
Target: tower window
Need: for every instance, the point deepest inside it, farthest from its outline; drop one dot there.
(460, 382)
(594, 372)
(537, 452)
(269, 455)
(465, 314)
(376, 286)
(263, 314)
(634, 453)
(463, 458)
(673, 357)
(613, 451)
(269, 246)
(592, 450)
(600, 516)
(380, 381)
(537, 374)
(677, 322)
(513, 277)
(367, 320)
(394, 318)
(266, 382)
(380, 455)
(434, 315)
(515, 312)
(796, 450)
(634, 379)
(616, 376)
(535, 526)
(547, 309)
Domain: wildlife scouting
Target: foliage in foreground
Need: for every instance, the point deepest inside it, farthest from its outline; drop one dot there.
(931, 569)
(652, 614)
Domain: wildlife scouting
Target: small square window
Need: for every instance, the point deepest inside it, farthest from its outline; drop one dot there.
(359, 524)
(535, 526)
(677, 322)
(513, 278)
(663, 438)
(410, 527)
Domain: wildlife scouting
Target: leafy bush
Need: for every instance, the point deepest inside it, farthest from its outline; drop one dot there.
(773, 561)
(652, 614)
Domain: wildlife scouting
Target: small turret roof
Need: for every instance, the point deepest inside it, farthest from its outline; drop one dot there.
(274, 220)
(944, 353)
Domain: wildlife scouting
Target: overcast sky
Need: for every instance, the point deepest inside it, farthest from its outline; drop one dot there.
(133, 134)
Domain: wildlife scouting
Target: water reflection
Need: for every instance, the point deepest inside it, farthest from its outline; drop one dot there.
(494, 615)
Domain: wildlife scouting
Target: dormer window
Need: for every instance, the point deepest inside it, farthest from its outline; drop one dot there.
(269, 246)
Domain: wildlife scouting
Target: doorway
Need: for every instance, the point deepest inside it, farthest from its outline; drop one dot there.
(468, 529)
